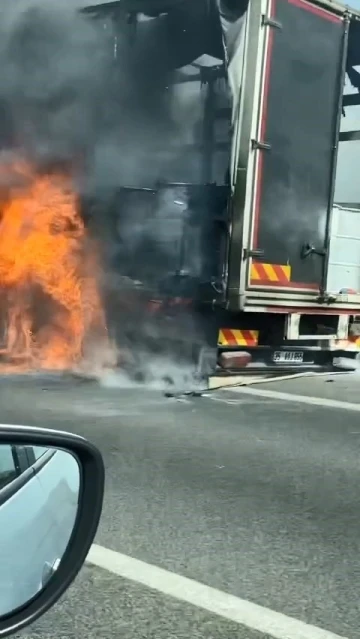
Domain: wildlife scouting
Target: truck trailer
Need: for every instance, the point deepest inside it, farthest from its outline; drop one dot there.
(249, 255)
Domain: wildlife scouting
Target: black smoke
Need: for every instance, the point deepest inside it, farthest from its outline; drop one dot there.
(96, 94)
(53, 67)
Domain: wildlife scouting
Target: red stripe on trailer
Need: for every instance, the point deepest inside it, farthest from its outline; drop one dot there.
(318, 11)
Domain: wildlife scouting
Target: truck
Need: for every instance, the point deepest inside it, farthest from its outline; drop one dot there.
(249, 251)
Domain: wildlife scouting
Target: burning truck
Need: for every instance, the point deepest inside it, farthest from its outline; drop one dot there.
(190, 207)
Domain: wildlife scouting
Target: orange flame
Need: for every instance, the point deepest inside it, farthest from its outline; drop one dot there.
(50, 302)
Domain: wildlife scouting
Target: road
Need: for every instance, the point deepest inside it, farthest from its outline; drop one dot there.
(254, 496)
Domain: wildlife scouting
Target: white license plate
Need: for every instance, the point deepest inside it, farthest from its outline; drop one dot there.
(292, 357)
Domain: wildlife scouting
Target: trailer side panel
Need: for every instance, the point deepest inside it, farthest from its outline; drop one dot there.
(297, 120)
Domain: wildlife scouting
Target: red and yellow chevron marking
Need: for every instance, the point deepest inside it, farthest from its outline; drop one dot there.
(270, 273)
(233, 337)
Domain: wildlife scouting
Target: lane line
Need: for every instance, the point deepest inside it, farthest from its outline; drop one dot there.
(214, 601)
(302, 399)
(239, 401)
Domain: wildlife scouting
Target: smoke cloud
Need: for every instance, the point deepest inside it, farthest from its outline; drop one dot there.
(81, 91)
(71, 87)
(52, 72)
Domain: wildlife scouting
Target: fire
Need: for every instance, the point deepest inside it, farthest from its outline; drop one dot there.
(50, 303)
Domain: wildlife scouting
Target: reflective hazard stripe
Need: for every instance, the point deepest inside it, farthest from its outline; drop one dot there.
(234, 337)
(265, 273)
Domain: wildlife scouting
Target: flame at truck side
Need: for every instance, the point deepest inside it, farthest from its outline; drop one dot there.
(51, 304)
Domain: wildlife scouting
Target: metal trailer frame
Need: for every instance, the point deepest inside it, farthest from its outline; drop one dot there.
(259, 26)
(206, 76)
(241, 296)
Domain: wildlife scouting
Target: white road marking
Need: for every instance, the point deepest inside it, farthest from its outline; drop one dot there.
(302, 399)
(228, 401)
(214, 601)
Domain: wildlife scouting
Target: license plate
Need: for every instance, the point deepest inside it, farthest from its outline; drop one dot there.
(292, 357)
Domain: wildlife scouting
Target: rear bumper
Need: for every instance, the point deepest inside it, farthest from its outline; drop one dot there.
(293, 301)
(262, 360)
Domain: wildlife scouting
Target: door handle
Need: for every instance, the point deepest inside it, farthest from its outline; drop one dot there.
(309, 249)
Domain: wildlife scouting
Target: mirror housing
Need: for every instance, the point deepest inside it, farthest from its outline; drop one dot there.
(90, 502)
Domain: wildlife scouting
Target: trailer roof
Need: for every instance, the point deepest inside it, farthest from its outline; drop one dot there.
(165, 5)
(132, 5)
(341, 6)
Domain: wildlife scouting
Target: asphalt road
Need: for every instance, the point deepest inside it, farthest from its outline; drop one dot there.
(256, 497)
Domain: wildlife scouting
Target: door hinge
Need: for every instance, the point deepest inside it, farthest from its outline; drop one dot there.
(254, 253)
(326, 298)
(261, 146)
(270, 22)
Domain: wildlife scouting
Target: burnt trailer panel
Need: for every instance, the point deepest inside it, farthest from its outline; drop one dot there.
(169, 238)
(283, 199)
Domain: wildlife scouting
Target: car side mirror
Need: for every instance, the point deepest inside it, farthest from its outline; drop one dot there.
(51, 496)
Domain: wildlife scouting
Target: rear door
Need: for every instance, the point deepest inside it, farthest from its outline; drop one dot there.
(290, 188)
